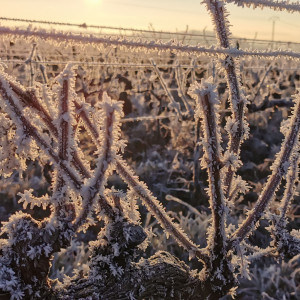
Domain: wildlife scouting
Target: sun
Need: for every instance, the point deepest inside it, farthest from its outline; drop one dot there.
(94, 2)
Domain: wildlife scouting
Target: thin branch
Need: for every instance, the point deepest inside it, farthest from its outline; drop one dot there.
(236, 98)
(10, 103)
(207, 110)
(173, 103)
(29, 98)
(181, 82)
(110, 124)
(279, 169)
(290, 190)
(262, 82)
(252, 108)
(273, 4)
(158, 211)
(190, 207)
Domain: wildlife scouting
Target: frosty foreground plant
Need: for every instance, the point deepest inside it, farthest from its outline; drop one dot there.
(78, 191)
(45, 123)
(42, 129)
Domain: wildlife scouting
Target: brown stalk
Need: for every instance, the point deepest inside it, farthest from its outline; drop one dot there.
(214, 166)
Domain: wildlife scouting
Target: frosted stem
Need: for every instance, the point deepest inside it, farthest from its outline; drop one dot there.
(207, 105)
(157, 210)
(292, 178)
(273, 4)
(64, 125)
(279, 169)
(64, 145)
(29, 98)
(30, 130)
(106, 157)
(237, 101)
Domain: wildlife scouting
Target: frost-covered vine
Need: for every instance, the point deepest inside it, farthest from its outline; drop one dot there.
(50, 125)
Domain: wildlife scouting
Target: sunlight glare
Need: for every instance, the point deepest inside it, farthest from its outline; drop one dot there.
(94, 2)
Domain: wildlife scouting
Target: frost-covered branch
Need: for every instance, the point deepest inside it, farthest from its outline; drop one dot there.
(29, 98)
(65, 121)
(152, 203)
(10, 104)
(290, 190)
(157, 210)
(277, 5)
(236, 125)
(109, 119)
(207, 102)
(173, 103)
(65, 136)
(279, 169)
(207, 111)
(287, 243)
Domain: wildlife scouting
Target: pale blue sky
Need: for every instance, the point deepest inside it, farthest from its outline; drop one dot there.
(163, 14)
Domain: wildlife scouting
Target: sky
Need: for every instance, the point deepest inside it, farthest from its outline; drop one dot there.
(168, 15)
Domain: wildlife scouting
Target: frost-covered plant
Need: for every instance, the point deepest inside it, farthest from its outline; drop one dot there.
(45, 123)
(78, 190)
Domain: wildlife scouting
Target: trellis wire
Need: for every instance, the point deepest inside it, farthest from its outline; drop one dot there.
(19, 61)
(84, 25)
(153, 32)
(143, 45)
